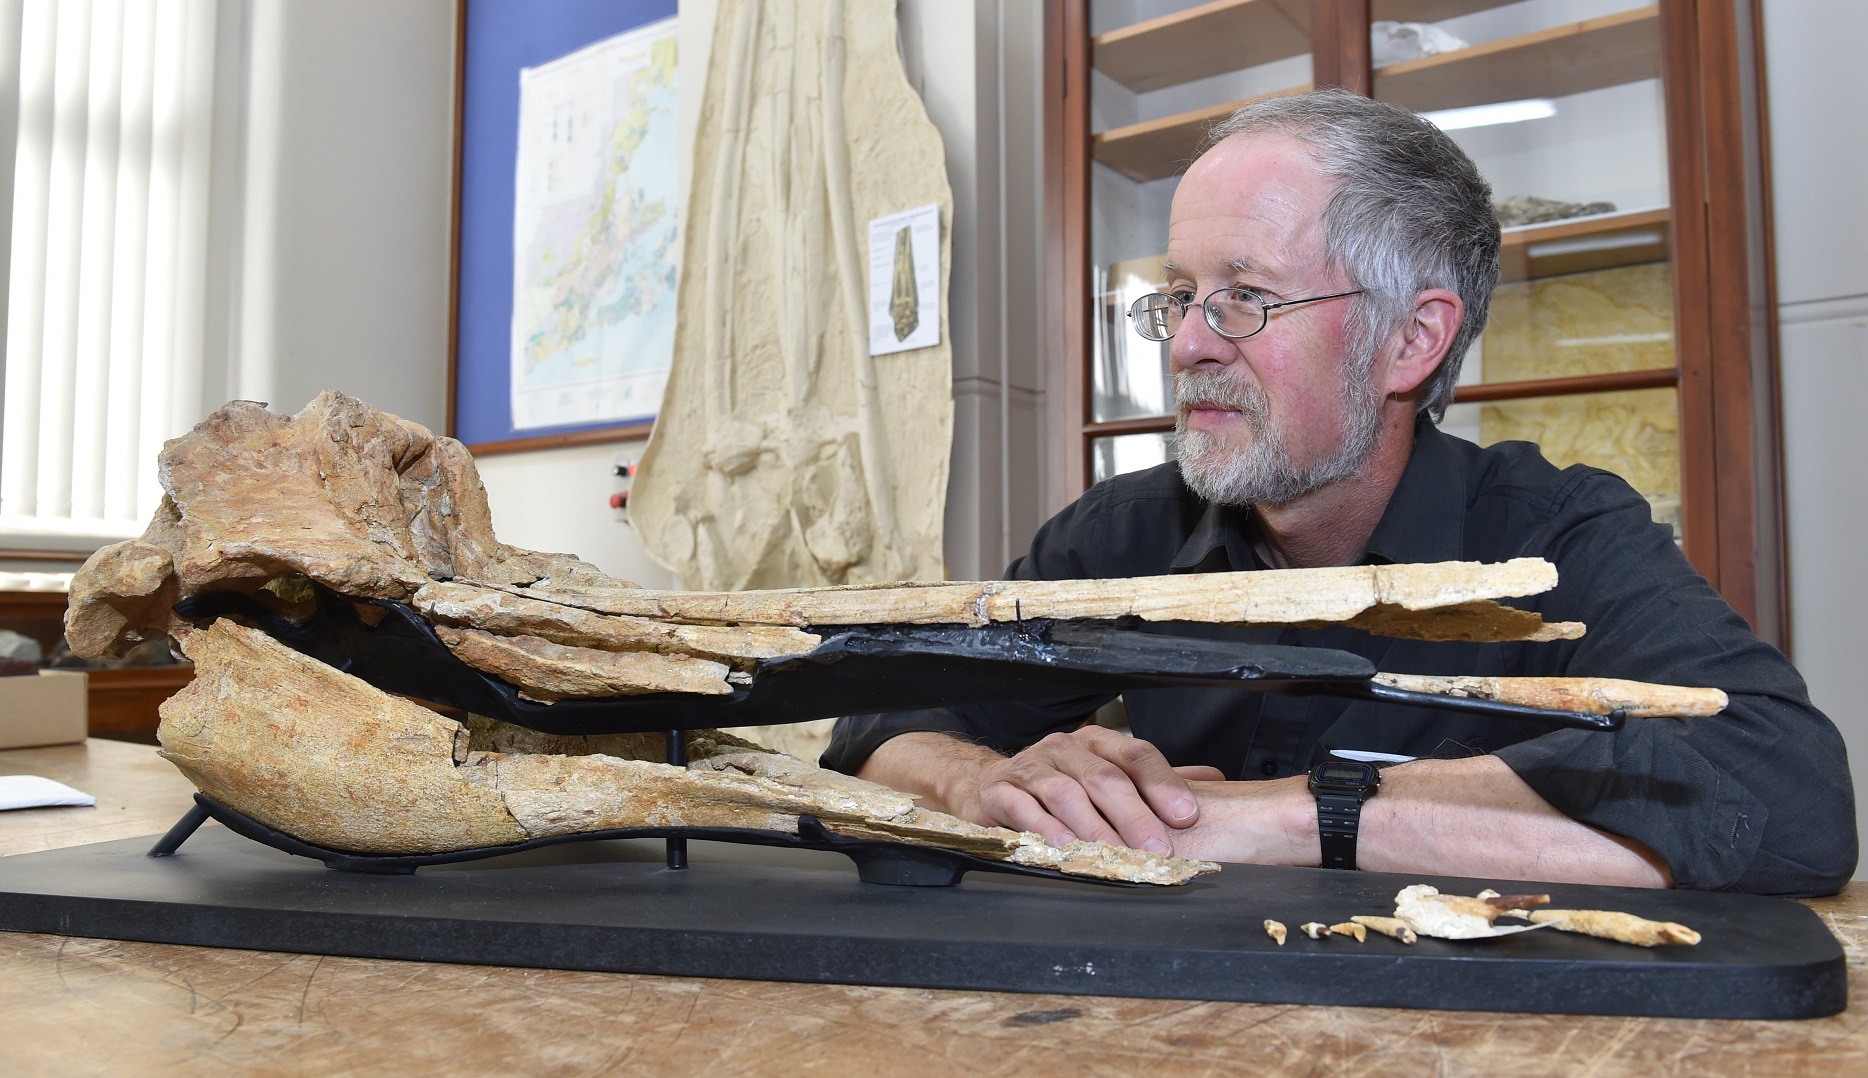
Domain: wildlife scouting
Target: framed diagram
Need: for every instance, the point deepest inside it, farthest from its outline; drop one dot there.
(566, 223)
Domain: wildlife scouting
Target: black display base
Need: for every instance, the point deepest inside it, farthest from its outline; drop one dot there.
(799, 915)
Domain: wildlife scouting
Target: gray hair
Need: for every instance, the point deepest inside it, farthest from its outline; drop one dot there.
(1410, 212)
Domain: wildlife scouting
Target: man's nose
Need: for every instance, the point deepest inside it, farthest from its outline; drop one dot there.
(1197, 344)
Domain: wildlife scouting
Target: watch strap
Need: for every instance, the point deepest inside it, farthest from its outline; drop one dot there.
(1339, 819)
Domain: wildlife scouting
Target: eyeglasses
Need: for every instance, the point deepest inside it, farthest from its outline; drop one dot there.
(1237, 313)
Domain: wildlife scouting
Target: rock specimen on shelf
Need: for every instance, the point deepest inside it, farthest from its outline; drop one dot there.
(1392, 42)
(1530, 210)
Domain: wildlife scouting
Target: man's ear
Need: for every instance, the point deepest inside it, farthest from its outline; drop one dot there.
(1424, 339)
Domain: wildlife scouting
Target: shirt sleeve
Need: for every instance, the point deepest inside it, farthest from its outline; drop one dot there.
(1757, 798)
(1059, 551)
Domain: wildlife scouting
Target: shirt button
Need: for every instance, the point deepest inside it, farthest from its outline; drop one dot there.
(1269, 767)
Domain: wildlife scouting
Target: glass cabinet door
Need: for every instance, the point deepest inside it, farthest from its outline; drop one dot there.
(1622, 335)
(1560, 104)
(1162, 71)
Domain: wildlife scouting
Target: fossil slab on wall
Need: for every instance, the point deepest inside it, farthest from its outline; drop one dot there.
(785, 455)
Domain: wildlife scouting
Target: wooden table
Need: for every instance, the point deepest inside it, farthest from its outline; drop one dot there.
(83, 1006)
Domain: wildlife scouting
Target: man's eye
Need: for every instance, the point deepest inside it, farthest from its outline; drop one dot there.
(1184, 298)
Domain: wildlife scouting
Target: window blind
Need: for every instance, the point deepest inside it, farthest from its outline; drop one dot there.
(106, 267)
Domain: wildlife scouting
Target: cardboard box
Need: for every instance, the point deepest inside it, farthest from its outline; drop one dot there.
(44, 710)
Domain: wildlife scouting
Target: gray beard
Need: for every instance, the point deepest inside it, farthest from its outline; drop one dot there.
(1263, 473)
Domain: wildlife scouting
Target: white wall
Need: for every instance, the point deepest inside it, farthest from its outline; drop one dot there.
(341, 270)
(1819, 152)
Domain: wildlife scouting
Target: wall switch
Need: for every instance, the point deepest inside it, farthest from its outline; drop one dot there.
(622, 478)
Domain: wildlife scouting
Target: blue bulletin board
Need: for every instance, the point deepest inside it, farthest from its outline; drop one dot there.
(498, 38)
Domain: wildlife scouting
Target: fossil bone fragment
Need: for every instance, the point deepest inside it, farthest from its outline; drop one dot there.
(1392, 927)
(1621, 927)
(1276, 930)
(1316, 930)
(311, 751)
(1594, 696)
(376, 508)
(1454, 917)
(1351, 928)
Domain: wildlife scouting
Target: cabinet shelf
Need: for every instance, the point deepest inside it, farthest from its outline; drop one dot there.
(1585, 243)
(1211, 39)
(1558, 247)
(1570, 59)
(1429, 10)
(1157, 149)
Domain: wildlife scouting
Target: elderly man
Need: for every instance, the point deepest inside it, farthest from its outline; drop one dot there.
(1330, 259)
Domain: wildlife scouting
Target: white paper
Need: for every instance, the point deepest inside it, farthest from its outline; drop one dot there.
(31, 791)
(1363, 756)
(596, 232)
(904, 318)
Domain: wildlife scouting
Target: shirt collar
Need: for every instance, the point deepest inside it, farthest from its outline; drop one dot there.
(1218, 543)
(1425, 520)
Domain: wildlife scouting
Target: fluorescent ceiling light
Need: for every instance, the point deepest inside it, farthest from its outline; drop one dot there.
(1505, 112)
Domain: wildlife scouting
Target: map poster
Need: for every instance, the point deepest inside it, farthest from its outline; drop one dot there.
(904, 281)
(596, 232)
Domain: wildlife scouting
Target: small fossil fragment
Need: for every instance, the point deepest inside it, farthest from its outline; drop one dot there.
(1392, 927)
(1453, 917)
(1316, 930)
(1592, 696)
(1621, 927)
(1513, 903)
(1276, 930)
(1350, 928)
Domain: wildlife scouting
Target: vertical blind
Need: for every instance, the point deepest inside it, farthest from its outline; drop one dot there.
(107, 268)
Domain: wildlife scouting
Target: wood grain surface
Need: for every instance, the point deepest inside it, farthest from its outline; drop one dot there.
(82, 1006)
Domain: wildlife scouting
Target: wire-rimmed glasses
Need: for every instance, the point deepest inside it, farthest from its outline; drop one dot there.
(1233, 312)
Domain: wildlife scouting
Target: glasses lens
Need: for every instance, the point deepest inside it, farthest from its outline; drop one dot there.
(1155, 316)
(1236, 312)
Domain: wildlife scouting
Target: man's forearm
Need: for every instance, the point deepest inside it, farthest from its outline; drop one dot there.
(1472, 817)
(927, 764)
(1476, 817)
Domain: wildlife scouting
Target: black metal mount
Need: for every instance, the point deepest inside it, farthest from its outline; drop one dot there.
(855, 670)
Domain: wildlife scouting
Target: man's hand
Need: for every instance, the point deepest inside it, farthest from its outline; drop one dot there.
(1091, 783)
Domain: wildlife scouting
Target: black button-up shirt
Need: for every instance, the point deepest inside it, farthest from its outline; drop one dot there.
(1756, 799)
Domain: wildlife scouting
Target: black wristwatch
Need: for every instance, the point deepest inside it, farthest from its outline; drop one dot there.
(1341, 787)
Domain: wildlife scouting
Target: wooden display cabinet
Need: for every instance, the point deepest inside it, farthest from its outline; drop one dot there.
(122, 704)
(1697, 382)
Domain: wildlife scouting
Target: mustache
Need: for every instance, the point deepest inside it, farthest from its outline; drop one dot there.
(1196, 388)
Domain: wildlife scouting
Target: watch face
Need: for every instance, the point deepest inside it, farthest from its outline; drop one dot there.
(1346, 774)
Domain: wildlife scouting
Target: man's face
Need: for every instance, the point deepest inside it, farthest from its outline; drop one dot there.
(1277, 415)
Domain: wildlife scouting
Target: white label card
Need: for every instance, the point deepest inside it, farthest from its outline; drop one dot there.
(904, 281)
